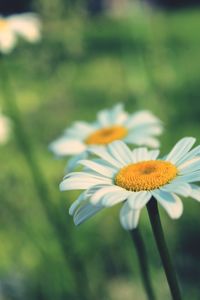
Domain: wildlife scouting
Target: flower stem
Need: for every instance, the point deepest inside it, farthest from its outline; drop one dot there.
(154, 217)
(144, 267)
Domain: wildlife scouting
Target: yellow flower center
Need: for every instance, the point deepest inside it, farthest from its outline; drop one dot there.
(3, 24)
(146, 175)
(106, 135)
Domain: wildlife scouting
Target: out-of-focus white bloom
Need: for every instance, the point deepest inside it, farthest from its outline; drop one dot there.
(4, 129)
(134, 177)
(139, 128)
(26, 25)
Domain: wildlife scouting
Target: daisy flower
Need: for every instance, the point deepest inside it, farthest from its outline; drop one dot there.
(4, 129)
(139, 128)
(134, 177)
(26, 25)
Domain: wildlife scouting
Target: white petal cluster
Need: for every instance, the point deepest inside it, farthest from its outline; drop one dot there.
(97, 180)
(142, 127)
(26, 25)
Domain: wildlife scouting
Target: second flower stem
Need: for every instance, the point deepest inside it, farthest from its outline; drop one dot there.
(154, 217)
(144, 266)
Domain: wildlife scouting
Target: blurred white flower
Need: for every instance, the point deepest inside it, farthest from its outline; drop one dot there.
(26, 25)
(4, 129)
(139, 128)
(134, 177)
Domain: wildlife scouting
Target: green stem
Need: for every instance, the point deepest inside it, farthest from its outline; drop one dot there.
(143, 261)
(54, 215)
(154, 217)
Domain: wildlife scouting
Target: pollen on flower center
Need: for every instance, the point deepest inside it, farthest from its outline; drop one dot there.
(146, 175)
(106, 135)
(3, 24)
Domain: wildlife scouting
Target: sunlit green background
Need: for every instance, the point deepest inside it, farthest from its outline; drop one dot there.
(143, 57)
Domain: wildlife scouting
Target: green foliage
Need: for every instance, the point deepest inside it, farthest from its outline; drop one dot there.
(145, 59)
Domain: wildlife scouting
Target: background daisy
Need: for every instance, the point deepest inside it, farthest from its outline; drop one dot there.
(26, 25)
(4, 129)
(140, 128)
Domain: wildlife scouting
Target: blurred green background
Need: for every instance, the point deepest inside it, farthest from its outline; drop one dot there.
(132, 53)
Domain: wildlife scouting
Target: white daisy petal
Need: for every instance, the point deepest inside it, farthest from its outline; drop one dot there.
(190, 155)
(120, 151)
(82, 182)
(142, 140)
(105, 163)
(153, 154)
(161, 195)
(98, 195)
(77, 174)
(119, 116)
(64, 146)
(190, 166)
(97, 167)
(118, 108)
(103, 153)
(73, 161)
(104, 118)
(180, 149)
(193, 177)
(113, 198)
(95, 188)
(74, 184)
(150, 142)
(195, 192)
(147, 129)
(80, 129)
(141, 117)
(85, 212)
(7, 41)
(27, 25)
(116, 115)
(129, 218)
(182, 189)
(170, 202)
(140, 154)
(138, 200)
(85, 174)
(76, 203)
